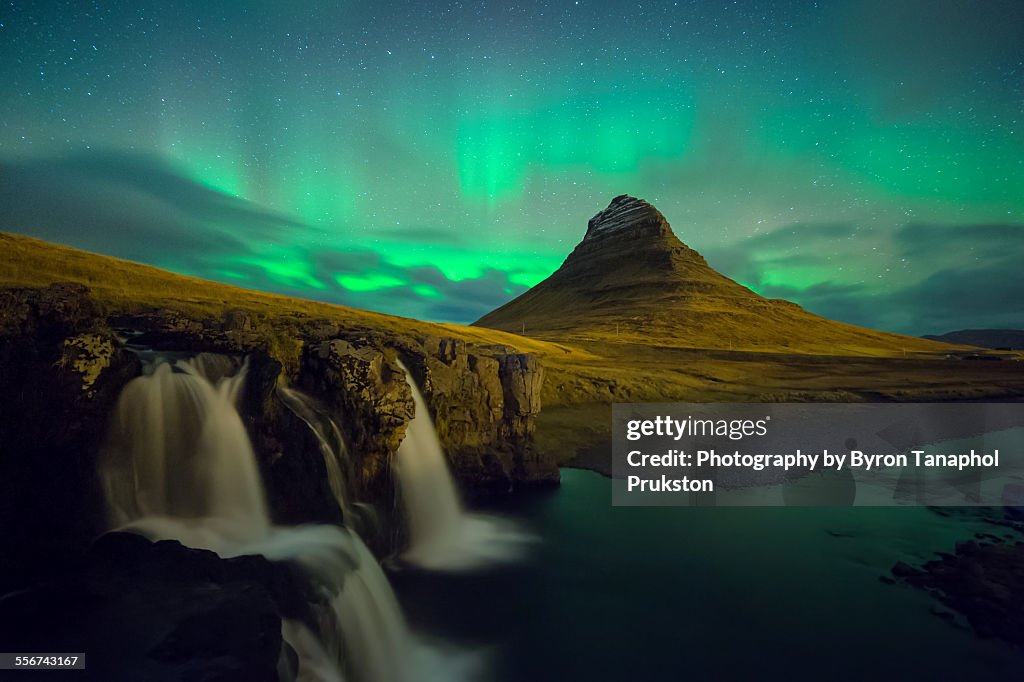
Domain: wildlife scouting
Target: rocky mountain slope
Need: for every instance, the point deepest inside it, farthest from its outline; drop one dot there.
(632, 279)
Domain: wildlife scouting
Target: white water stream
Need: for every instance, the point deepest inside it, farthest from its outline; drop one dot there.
(178, 464)
(444, 536)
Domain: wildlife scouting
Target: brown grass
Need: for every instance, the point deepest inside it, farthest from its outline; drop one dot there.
(124, 287)
(582, 367)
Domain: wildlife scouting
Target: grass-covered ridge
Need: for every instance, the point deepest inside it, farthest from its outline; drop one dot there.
(581, 367)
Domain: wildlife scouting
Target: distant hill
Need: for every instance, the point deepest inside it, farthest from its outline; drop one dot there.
(632, 279)
(1007, 339)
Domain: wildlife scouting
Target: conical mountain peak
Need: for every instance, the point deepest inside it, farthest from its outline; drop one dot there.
(626, 214)
(632, 278)
(628, 235)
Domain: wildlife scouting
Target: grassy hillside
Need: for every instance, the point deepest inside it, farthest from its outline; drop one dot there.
(122, 286)
(581, 369)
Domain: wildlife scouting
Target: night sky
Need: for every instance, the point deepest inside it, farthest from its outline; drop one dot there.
(864, 159)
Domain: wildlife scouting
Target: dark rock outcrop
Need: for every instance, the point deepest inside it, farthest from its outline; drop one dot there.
(485, 405)
(983, 581)
(61, 371)
(367, 388)
(483, 401)
(522, 378)
(160, 611)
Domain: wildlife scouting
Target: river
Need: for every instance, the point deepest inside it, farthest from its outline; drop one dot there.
(613, 593)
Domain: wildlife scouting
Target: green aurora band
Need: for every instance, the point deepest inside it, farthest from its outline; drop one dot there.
(436, 165)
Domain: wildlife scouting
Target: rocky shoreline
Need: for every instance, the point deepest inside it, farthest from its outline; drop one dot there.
(982, 581)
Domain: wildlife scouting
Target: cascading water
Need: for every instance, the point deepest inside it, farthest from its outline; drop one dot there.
(443, 535)
(178, 464)
(328, 438)
(178, 448)
(358, 517)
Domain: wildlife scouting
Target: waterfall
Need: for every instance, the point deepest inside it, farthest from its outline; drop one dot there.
(315, 664)
(178, 464)
(328, 439)
(443, 535)
(359, 517)
(177, 447)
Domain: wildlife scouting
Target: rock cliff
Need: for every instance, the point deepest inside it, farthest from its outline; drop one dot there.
(63, 363)
(61, 370)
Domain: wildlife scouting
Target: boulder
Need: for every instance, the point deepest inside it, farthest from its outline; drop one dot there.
(161, 611)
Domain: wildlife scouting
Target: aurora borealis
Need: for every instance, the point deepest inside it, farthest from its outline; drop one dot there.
(864, 159)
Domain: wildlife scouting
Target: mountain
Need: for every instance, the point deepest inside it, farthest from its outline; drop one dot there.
(1008, 339)
(632, 280)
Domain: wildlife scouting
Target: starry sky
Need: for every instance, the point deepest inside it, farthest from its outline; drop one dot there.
(863, 158)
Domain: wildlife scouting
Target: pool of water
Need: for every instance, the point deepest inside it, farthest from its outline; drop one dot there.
(613, 593)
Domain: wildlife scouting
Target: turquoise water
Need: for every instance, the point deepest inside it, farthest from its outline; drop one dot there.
(615, 593)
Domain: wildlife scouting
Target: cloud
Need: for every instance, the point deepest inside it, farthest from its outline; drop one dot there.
(992, 241)
(144, 209)
(428, 294)
(130, 205)
(801, 256)
(917, 279)
(470, 299)
(974, 279)
(328, 263)
(492, 288)
(962, 298)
